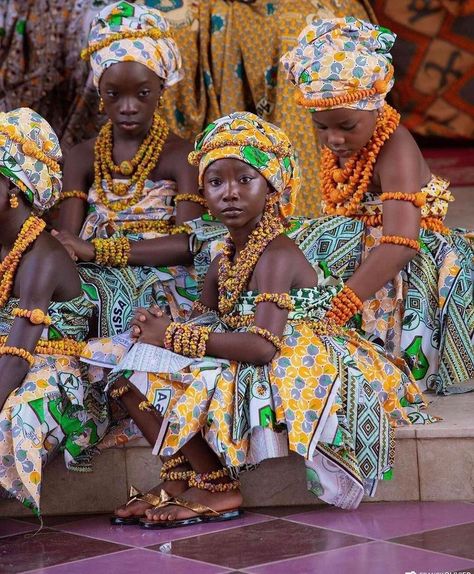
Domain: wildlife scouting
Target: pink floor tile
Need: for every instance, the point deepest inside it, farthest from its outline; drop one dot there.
(372, 558)
(133, 561)
(384, 520)
(100, 527)
(10, 526)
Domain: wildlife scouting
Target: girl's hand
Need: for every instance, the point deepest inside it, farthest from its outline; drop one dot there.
(77, 248)
(149, 326)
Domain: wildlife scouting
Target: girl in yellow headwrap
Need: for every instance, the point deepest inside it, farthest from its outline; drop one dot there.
(129, 191)
(258, 371)
(383, 230)
(43, 317)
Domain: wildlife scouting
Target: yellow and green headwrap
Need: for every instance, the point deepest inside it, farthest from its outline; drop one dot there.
(125, 32)
(264, 146)
(341, 63)
(29, 156)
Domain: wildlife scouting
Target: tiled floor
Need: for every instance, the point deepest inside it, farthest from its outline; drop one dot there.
(388, 538)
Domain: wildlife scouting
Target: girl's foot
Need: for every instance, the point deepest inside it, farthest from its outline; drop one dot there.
(218, 501)
(171, 484)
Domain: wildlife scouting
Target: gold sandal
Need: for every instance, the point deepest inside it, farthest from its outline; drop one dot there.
(152, 499)
(204, 513)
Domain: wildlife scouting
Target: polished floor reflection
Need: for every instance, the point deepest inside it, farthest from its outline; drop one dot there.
(387, 537)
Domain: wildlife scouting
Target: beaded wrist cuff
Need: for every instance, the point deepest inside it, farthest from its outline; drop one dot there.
(112, 252)
(266, 334)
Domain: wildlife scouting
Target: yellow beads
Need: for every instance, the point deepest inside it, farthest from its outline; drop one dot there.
(155, 33)
(157, 226)
(17, 351)
(142, 164)
(73, 193)
(36, 316)
(112, 252)
(29, 231)
(188, 340)
(31, 149)
(232, 279)
(190, 197)
(266, 334)
(281, 300)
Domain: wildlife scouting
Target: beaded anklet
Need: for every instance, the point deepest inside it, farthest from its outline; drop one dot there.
(74, 193)
(17, 351)
(166, 472)
(281, 300)
(118, 392)
(206, 481)
(36, 316)
(112, 252)
(344, 306)
(266, 334)
(146, 406)
(190, 197)
(398, 240)
(418, 199)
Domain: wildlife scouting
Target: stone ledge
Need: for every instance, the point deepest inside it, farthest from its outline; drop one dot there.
(431, 463)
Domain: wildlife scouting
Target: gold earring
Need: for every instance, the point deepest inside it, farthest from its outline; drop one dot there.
(13, 201)
(101, 106)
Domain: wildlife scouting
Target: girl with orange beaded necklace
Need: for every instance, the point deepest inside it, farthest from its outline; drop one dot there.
(134, 177)
(43, 317)
(259, 371)
(408, 277)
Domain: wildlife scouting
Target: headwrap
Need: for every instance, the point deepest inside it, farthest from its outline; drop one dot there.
(264, 146)
(341, 63)
(124, 32)
(29, 156)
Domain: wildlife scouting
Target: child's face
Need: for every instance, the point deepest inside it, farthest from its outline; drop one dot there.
(131, 92)
(235, 193)
(343, 130)
(4, 189)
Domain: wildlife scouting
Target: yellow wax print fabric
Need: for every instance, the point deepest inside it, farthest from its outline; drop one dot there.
(19, 161)
(331, 398)
(231, 53)
(117, 291)
(264, 146)
(55, 409)
(425, 314)
(339, 56)
(154, 48)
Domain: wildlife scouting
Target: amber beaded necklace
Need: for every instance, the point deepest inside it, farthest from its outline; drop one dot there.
(136, 169)
(29, 231)
(344, 188)
(233, 278)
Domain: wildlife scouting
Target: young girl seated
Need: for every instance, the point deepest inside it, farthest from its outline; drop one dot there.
(264, 371)
(129, 190)
(409, 276)
(45, 403)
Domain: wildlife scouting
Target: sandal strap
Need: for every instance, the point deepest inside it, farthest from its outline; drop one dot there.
(148, 497)
(200, 509)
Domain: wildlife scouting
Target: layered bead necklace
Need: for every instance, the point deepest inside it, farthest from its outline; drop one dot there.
(136, 169)
(29, 231)
(344, 188)
(233, 278)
